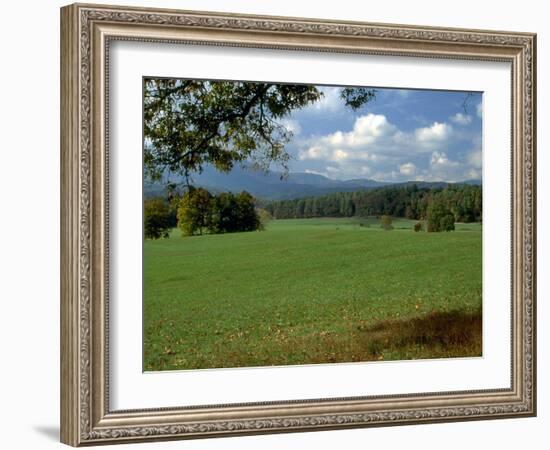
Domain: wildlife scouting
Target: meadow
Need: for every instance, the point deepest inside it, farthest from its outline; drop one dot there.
(307, 291)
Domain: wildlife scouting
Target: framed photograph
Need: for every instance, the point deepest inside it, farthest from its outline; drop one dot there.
(278, 224)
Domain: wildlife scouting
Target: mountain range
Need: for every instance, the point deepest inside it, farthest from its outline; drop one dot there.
(272, 185)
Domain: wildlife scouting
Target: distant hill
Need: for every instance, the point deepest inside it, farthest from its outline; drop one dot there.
(273, 185)
(472, 182)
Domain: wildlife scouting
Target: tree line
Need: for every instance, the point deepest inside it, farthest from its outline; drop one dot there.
(461, 203)
(199, 212)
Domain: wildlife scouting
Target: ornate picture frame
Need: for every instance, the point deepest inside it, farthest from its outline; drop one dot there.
(87, 32)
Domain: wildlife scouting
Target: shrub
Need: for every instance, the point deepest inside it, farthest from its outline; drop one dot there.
(418, 226)
(264, 217)
(386, 222)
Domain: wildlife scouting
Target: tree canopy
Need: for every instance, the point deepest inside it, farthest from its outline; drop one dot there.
(201, 212)
(439, 216)
(191, 123)
(157, 218)
(195, 212)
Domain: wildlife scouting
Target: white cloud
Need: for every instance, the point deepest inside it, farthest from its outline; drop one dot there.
(442, 168)
(440, 159)
(437, 132)
(339, 155)
(479, 110)
(292, 125)
(374, 138)
(369, 130)
(377, 148)
(475, 158)
(407, 169)
(461, 119)
(314, 152)
(317, 172)
(366, 130)
(330, 101)
(372, 125)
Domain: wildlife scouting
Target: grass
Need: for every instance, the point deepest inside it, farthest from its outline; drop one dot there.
(312, 291)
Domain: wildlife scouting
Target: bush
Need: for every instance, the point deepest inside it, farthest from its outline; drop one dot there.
(264, 217)
(386, 222)
(418, 226)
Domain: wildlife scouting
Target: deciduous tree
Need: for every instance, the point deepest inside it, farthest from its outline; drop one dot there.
(156, 218)
(191, 123)
(195, 211)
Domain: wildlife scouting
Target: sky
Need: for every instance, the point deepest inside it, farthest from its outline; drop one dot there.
(401, 135)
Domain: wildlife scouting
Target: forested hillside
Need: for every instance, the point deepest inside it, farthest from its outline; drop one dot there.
(410, 201)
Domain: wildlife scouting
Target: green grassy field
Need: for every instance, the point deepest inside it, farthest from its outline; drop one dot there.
(312, 291)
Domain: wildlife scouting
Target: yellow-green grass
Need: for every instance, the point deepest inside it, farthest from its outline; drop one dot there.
(312, 291)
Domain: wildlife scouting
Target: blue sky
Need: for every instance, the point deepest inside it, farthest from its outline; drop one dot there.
(402, 135)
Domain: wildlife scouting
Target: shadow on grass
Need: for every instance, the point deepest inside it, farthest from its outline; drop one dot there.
(434, 335)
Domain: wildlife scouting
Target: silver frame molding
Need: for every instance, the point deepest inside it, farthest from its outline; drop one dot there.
(86, 31)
